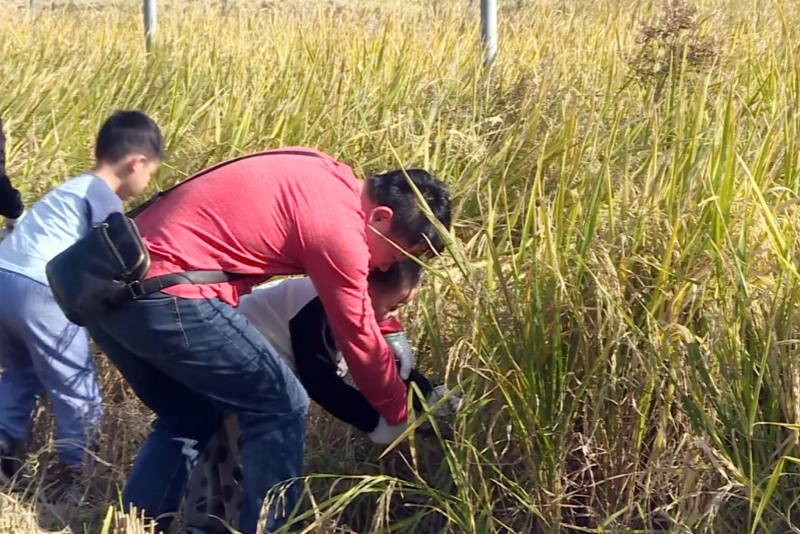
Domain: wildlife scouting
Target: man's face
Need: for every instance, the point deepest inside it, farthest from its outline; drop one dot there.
(385, 249)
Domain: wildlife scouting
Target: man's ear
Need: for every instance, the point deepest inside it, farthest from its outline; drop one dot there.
(380, 217)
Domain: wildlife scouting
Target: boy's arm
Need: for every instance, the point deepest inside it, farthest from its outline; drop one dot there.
(313, 350)
(11, 205)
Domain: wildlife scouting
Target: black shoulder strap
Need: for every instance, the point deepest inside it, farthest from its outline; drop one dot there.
(157, 283)
(149, 202)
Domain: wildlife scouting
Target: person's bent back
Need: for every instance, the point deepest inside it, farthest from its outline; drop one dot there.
(302, 214)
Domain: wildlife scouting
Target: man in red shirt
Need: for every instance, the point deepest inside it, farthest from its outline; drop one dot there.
(190, 356)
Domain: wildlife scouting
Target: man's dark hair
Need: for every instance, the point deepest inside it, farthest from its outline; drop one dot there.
(129, 132)
(410, 223)
(403, 274)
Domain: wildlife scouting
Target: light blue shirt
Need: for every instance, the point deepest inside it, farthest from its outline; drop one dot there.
(54, 223)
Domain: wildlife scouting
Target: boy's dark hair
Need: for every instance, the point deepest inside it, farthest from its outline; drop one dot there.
(129, 132)
(406, 273)
(410, 223)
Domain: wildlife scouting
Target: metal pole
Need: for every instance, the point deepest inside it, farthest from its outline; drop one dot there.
(149, 23)
(34, 7)
(489, 30)
(226, 6)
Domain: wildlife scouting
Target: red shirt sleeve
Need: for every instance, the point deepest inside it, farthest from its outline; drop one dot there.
(336, 258)
(392, 325)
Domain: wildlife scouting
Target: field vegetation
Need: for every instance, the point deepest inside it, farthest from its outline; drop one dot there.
(619, 299)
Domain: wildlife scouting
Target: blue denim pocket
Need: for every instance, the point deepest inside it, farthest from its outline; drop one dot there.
(151, 328)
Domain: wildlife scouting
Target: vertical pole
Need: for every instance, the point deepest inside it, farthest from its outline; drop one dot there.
(34, 5)
(149, 23)
(226, 6)
(489, 30)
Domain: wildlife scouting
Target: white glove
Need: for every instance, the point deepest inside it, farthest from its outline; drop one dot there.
(385, 434)
(398, 343)
(341, 366)
(449, 407)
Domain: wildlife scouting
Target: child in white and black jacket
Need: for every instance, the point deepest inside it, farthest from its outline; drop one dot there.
(290, 316)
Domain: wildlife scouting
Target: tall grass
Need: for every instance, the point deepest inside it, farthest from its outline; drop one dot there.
(619, 303)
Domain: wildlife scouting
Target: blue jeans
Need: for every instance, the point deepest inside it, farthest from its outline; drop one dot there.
(190, 360)
(42, 352)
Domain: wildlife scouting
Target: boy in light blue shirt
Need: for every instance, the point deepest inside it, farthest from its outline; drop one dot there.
(41, 351)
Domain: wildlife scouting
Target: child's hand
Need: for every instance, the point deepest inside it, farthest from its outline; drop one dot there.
(385, 434)
(451, 405)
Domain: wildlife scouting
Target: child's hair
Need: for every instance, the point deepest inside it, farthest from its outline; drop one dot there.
(404, 274)
(129, 132)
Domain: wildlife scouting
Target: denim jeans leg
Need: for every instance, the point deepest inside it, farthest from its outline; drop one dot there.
(19, 390)
(186, 420)
(47, 353)
(283, 435)
(212, 350)
(19, 385)
(67, 369)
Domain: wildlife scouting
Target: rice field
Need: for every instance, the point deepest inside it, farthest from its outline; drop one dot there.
(619, 299)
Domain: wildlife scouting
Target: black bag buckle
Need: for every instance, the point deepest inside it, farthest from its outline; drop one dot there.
(135, 290)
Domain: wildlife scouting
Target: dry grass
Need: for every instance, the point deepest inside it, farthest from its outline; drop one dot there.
(619, 299)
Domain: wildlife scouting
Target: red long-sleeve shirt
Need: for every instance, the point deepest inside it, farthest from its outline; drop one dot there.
(392, 325)
(279, 214)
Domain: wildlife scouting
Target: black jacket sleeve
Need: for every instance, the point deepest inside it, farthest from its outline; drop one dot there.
(422, 383)
(314, 348)
(10, 200)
